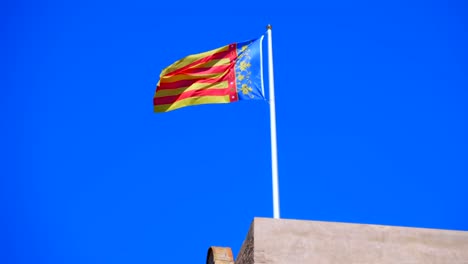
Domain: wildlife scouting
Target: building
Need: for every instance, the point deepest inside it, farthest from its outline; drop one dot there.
(281, 241)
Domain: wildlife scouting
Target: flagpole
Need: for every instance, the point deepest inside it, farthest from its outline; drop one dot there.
(274, 155)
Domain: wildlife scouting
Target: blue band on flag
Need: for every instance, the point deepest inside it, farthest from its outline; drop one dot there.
(248, 70)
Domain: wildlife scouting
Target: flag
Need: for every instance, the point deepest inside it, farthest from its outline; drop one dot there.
(223, 75)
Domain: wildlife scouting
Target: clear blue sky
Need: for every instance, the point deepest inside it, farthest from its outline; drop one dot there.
(372, 119)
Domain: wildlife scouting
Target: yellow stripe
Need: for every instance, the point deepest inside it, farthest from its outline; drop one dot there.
(195, 86)
(180, 77)
(192, 101)
(190, 59)
(212, 63)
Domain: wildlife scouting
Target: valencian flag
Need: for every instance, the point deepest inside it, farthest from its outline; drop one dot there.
(223, 75)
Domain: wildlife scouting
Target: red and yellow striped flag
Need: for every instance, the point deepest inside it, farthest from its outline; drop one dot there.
(223, 75)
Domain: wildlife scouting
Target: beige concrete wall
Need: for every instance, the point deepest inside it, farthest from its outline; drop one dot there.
(280, 241)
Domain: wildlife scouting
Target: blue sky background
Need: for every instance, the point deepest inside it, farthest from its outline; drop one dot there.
(372, 119)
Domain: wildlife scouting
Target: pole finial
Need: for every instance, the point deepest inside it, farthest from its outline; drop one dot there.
(269, 27)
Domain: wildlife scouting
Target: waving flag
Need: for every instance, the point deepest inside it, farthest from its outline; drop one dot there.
(223, 75)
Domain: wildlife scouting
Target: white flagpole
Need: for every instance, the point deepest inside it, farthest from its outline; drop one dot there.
(274, 155)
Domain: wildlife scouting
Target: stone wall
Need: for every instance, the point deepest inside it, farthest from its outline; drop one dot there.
(281, 241)
(246, 253)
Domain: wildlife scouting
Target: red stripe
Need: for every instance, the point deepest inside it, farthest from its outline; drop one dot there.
(208, 70)
(230, 53)
(187, 83)
(193, 93)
